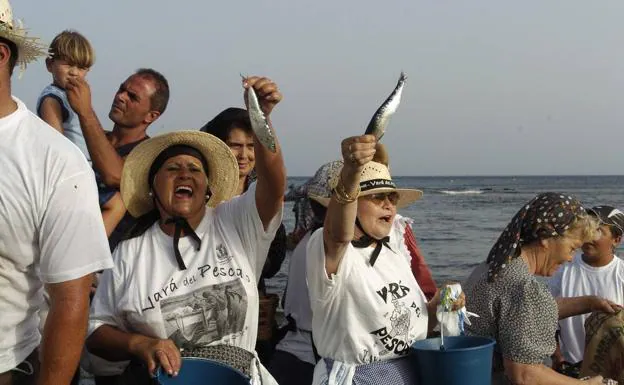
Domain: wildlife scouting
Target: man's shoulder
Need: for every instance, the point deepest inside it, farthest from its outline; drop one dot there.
(123, 149)
(45, 142)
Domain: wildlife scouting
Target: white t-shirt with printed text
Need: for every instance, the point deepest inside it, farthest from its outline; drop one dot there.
(575, 279)
(51, 228)
(297, 299)
(214, 301)
(364, 313)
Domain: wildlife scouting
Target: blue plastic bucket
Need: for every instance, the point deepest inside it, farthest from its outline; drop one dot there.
(199, 371)
(465, 360)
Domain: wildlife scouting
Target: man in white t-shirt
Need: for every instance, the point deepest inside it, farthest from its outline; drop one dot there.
(51, 232)
(595, 272)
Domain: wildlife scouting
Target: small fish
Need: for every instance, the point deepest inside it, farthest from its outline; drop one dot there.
(377, 125)
(259, 123)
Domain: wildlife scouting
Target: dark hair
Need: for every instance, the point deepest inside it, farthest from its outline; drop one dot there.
(615, 231)
(13, 52)
(161, 97)
(319, 214)
(228, 119)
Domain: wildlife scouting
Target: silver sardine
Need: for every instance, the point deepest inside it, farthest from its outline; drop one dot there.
(259, 123)
(377, 125)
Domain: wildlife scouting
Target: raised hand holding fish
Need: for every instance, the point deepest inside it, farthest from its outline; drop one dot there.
(357, 151)
(261, 96)
(377, 125)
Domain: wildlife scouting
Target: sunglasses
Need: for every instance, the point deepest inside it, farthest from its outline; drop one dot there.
(393, 197)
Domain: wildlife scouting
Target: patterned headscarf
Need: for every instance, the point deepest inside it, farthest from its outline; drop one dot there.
(545, 216)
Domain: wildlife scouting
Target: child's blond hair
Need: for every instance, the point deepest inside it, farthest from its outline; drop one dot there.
(72, 47)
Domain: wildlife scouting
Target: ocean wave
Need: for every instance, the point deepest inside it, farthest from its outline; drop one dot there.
(461, 192)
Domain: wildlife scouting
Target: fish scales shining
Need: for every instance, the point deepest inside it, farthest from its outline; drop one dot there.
(379, 121)
(258, 120)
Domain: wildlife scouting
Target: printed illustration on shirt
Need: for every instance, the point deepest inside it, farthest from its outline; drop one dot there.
(396, 336)
(206, 315)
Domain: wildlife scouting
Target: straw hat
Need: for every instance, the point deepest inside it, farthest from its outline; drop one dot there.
(29, 48)
(222, 168)
(374, 178)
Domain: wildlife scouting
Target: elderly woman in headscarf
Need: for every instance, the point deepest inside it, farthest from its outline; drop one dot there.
(195, 247)
(367, 307)
(515, 308)
(233, 127)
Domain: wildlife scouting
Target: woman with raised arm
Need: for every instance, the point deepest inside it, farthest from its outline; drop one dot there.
(233, 127)
(367, 308)
(185, 280)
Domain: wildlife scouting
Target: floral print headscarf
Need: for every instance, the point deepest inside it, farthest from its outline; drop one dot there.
(545, 216)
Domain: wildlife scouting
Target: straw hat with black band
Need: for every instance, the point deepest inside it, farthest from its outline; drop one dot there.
(29, 48)
(215, 155)
(222, 168)
(374, 178)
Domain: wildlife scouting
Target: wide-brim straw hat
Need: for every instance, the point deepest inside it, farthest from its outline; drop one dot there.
(29, 48)
(374, 178)
(222, 168)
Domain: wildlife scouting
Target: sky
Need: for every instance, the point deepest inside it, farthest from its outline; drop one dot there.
(494, 87)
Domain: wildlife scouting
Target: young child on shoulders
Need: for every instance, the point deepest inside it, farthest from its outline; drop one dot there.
(70, 55)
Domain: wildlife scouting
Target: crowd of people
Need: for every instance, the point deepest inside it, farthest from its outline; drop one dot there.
(121, 254)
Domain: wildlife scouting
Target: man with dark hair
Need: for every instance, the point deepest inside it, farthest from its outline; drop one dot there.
(140, 100)
(596, 272)
(51, 232)
(160, 98)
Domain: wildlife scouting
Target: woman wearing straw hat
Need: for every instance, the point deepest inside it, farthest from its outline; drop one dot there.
(295, 356)
(515, 308)
(367, 308)
(185, 279)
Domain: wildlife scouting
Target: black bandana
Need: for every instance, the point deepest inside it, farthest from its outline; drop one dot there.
(545, 216)
(181, 224)
(170, 152)
(366, 240)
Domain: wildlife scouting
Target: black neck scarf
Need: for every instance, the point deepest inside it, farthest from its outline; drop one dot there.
(366, 240)
(182, 224)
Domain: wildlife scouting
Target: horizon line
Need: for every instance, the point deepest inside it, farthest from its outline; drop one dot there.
(487, 176)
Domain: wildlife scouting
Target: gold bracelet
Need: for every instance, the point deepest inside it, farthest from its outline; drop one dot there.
(341, 194)
(341, 200)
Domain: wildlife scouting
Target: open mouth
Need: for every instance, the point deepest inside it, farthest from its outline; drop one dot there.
(183, 192)
(386, 218)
